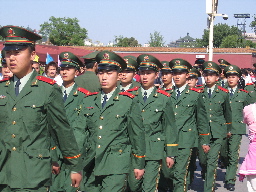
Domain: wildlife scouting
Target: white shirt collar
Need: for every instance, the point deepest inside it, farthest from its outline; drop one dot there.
(234, 89)
(181, 88)
(23, 80)
(125, 88)
(149, 91)
(68, 89)
(109, 95)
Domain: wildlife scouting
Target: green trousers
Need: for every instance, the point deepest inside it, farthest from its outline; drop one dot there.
(149, 182)
(6, 188)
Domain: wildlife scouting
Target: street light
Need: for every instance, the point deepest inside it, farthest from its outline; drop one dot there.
(211, 10)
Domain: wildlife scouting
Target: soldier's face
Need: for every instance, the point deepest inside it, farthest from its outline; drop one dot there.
(210, 79)
(167, 78)
(68, 74)
(19, 61)
(147, 78)
(126, 76)
(180, 78)
(108, 80)
(192, 82)
(6, 72)
(232, 80)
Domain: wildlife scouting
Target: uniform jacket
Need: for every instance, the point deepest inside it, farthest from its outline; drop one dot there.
(190, 117)
(218, 111)
(250, 87)
(28, 122)
(89, 81)
(115, 133)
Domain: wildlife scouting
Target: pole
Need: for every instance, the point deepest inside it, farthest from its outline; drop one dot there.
(211, 38)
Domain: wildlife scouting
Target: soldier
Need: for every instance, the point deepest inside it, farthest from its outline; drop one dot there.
(166, 75)
(89, 79)
(239, 98)
(158, 123)
(115, 142)
(193, 78)
(31, 113)
(190, 118)
(216, 101)
(223, 79)
(72, 97)
(126, 75)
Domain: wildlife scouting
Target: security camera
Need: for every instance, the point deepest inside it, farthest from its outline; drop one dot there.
(225, 16)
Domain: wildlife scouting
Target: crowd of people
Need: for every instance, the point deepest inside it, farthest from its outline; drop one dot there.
(115, 123)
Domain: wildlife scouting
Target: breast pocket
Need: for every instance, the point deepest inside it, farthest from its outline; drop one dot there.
(34, 111)
(3, 109)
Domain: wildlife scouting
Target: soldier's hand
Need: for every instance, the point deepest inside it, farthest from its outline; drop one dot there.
(206, 148)
(169, 162)
(55, 168)
(138, 173)
(76, 179)
(229, 135)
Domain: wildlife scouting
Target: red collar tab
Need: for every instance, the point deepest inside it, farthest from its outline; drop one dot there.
(127, 94)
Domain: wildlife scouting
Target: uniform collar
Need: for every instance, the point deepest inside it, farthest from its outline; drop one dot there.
(23, 80)
(68, 89)
(149, 91)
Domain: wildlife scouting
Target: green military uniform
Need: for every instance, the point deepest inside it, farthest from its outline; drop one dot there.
(219, 118)
(190, 118)
(115, 142)
(89, 79)
(250, 87)
(239, 98)
(160, 131)
(72, 103)
(30, 117)
(223, 63)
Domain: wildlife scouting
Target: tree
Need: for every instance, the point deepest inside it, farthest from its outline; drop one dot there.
(253, 24)
(156, 40)
(121, 41)
(220, 32)
(64, 31)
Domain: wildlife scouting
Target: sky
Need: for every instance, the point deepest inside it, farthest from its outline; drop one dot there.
(105, 19)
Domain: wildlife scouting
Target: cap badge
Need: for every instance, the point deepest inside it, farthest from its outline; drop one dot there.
(66, 55)
(106, 56)
(209, 64)
(177, 62)
(164, 64)
(230, 68)
(10, 32)
(221, 61)
(126, 60)
(146, 58)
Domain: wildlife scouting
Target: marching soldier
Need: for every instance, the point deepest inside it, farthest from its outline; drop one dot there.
(223, 79)
(166, 75)
(31, 114)
(126, 75)
(112, 119)
(239, 98)
(216, 101)
(72, 97)
(158, 122)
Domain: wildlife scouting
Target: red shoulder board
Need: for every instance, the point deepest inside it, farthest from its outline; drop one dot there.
(163, 92)
(85, 91)
(127, 94)
(198, 90)
(168, 89)
(92, 93)
(46, 79)
(133, 89)
(223, 89)
(3, 80)
(249, 83)
(244, 90)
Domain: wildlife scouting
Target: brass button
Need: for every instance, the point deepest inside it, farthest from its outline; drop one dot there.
(210, 109)
(14, 109)
(189, 129)
(120, 150)
(100, 127)
(40, 155)
(176, 106)
(99, 137)
(117, 116)
(13, 136)
(158, 139)
(230, 102)
(175, 113)
(210, 103)
(210, 115)
(101, 118)
(33, 106)
(14, 148)
(242, 122)
(14, 122)
(98, 146)
(143, 110)
(210, 121)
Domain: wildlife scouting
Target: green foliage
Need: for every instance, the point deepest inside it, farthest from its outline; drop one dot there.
(64, 31)
(121, 41)
(221, 31)
(253, 24)
(156, 40)
(233, 41)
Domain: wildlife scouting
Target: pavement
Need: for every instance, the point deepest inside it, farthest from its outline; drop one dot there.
(198, 184)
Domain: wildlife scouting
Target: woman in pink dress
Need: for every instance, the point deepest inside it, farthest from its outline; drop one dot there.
(248, 168)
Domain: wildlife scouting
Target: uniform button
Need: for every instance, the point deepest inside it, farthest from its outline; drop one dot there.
(99, 137)
(14, 122)
(210, 115)
(158, 139)
(101, 118)
(143, 110)
(100, 127)
(40, 155)
(176, 106)
(210, 109)
(175, 113)
(120, 150)
(98, 146)
(210, 121)
(13, 136)
(14, 148)
(14, 108)
(230, 102)
(189, 129)
(242, 122)
(33, 106)
(210, 103)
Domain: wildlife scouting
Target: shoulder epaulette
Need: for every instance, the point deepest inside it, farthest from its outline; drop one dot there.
(198, 90)
(46, 79)
(92, 93)
(133, 89)
(244, 90)
(127, 94)
(83, 90)
(3, 80)
(223, 89)
(249, 83)
(163, 92)
(168, 89)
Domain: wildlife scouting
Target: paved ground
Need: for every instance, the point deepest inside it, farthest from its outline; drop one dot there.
(240, 186)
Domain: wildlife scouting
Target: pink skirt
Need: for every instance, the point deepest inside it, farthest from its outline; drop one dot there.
(248, 166)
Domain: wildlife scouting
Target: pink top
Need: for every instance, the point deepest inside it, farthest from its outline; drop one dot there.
(250, 119)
